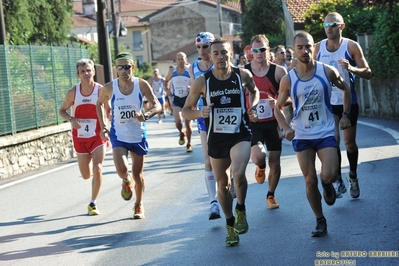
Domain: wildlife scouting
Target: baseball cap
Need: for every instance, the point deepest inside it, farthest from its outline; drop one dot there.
(156, 70)
(204, 38)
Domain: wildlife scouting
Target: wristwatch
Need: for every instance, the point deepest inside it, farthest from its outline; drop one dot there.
(346, 113)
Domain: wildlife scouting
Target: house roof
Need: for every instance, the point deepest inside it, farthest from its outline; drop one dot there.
(298, 7)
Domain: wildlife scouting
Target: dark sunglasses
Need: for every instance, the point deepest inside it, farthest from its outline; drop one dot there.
(125, 67)
(203, 46)
(331, 24)
(257, 50)
(281, 52)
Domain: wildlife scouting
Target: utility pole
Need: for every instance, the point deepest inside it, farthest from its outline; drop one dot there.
(115, 28)
(103, 42)
(220, 18)
(2, 25)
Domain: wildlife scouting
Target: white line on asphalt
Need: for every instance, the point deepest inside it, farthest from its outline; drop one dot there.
(37, 175)
(390, 131)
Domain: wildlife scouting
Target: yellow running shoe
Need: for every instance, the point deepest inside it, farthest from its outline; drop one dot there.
(92, 208)
(181, 139)
(240, 224)
(232, 238)
(189, 148)
(126, 191)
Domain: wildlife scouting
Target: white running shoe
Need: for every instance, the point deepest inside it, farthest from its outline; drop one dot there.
(214, 211)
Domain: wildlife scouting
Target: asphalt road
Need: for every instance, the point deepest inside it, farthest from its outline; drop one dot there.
(43, 218)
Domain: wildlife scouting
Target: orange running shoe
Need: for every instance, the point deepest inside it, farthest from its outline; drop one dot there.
(260, 175)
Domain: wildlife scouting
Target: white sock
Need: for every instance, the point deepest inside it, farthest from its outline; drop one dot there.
(210, 182)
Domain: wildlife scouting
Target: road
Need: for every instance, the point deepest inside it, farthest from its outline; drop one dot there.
(43, 218)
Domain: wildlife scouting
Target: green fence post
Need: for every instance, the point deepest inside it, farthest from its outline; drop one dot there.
(54, 83)
(7, 125)
(32, 74)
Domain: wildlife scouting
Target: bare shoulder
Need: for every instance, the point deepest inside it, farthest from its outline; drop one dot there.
(245, 73)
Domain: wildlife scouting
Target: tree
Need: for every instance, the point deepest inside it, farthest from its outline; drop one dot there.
(358, 18)
(40, 21)
(263, 17)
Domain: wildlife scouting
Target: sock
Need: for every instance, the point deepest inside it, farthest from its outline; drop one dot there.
(352, 158)
(230, 221)
(352, 176)
(263, 166)
(240, 207)
(269, 194)
(210, 182)
(93, 201)
(320, 219)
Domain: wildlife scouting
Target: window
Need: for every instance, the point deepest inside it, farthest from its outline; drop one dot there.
(137, 41)
(139, 61)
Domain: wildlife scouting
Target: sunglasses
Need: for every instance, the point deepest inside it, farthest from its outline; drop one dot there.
(257, 50)
(281, 52)
(125, 67)
(203, 47)
(331, 24)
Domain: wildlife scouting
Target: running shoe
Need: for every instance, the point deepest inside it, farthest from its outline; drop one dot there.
(127, 191)
(328, 193)
(138, 211)
(159, 121)
(354, 189)
(232, 238)
(214, 212)
(339, 187)
(260, 175)
(92, 208)
(189, 148)
(232, 190)
(272, 203)
(181, 139)
(321, 228)
(240, 224)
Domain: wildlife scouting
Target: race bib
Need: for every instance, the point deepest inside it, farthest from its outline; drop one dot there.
(126, 115)
(227, 120)
(313, 115)
(87, 128)
(263, 109)
(180, 88)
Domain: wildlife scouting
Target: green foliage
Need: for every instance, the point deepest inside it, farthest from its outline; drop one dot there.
(358, 19)
(385, 46)
(381, 20)
(262, 17)
(40, 21)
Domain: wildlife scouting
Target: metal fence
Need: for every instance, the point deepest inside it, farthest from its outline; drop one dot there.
(33, 84)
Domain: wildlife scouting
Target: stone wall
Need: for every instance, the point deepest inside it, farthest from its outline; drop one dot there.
(33, 149)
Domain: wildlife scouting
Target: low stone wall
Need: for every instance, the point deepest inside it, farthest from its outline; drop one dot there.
(36, 148)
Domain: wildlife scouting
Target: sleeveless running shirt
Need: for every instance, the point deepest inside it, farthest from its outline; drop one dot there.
(157, 88)
(331, 58)
(313, 116)
(267, 86)
(228, 119)
(180, 83)
(84, 109)
(124, 127)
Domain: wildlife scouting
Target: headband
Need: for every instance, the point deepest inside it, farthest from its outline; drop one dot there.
(124, 56)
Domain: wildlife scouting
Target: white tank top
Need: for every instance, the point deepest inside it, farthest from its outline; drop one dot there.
(331, 58)
(157, 88)
(313, 117)
(124, 127)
